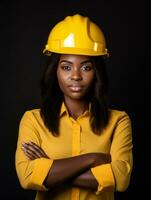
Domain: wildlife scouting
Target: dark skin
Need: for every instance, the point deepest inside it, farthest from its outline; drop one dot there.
(76, 169)
(75, 77)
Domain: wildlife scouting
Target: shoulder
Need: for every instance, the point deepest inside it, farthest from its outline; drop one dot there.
(117, 113)
(32, 112)
(31, 115)
(117, 116)
(120, 124)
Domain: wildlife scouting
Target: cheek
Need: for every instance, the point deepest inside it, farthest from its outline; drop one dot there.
(89, 78)
(61, 80)
(59, 76)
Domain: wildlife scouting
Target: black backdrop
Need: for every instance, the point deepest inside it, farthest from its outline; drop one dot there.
(25, 26)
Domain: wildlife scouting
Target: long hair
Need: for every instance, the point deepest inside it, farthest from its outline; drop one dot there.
(52, 96)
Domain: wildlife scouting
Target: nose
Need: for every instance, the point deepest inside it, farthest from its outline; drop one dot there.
(76, 75)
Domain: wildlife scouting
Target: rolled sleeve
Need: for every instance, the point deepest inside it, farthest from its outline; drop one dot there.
(41, 169)
(121, 153)
(116, 175)
(104, 177)
(31, 173)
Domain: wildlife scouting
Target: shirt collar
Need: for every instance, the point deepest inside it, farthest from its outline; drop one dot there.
(65, 111)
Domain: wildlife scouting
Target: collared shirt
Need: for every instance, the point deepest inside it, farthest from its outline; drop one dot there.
(76, 138)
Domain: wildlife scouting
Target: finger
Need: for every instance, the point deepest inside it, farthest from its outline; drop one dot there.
(31, 150)
(29, 155)
(39, 149)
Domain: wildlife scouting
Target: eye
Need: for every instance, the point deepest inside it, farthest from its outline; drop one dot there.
(65, 67)
(87, 67)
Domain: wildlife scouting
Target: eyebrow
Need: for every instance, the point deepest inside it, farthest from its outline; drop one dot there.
(83, 62)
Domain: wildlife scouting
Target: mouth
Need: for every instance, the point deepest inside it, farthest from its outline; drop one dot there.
(76, 88)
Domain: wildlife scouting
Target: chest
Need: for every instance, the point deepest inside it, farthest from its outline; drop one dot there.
(75, 139)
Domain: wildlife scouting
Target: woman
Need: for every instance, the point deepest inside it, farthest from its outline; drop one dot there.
(74, 147)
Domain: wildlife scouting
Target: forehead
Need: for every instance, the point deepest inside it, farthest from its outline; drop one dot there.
(74, 58)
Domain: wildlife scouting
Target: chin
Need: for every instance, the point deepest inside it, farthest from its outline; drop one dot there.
(77, 96)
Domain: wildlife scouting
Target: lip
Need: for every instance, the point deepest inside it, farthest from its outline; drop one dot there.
(75, 88)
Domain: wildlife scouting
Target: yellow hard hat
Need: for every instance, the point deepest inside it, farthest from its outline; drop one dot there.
(76, 35)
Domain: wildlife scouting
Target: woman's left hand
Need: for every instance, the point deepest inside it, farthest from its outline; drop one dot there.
(33, 151)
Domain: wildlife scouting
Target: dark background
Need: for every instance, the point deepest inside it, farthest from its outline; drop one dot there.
(25, 26)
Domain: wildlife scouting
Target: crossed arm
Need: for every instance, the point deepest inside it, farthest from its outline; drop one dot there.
(74, 171)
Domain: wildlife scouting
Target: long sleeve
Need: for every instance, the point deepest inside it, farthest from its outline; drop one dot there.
(116, 176)
(31, 174)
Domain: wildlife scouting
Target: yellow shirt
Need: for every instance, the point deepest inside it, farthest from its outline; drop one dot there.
(76, 138)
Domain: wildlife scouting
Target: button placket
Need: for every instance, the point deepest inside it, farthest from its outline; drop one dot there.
(76, 151)
(76, 139)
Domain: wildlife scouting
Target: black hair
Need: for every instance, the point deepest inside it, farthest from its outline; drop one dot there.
(52, 96)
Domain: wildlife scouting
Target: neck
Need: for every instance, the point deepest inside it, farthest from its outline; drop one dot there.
(76, 107)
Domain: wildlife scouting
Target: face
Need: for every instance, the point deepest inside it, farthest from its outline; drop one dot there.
(75, 75)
